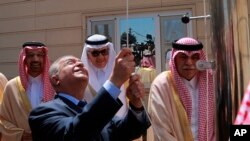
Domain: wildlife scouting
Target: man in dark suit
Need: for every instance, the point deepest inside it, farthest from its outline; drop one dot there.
(63, 120)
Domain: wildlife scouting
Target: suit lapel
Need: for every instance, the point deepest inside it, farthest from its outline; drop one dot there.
(70, 105)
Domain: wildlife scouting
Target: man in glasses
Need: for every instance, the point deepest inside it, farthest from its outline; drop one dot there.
(98, 57)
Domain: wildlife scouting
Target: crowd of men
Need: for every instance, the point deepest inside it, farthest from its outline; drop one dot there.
(98, 97)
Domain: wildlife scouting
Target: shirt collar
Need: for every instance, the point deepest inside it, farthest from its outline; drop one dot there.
(97, 69)
(191, 83)
(70, 98)
(35, 79)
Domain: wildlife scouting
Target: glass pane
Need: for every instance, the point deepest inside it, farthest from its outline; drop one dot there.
(103, 27)
(171, 29)
(141, 35)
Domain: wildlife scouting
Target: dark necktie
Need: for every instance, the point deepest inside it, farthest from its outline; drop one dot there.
(81, 104)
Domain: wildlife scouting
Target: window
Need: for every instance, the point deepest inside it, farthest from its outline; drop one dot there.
(141, 35)
(148, 34)
(104, 27)
(171, 29)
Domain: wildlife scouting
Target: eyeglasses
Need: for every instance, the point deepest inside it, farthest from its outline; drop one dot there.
(96, 53)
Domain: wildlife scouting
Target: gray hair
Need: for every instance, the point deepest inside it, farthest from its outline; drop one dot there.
(55, 68)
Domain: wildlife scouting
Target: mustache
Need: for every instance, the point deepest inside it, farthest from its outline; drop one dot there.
(189, 67)
(35, 63)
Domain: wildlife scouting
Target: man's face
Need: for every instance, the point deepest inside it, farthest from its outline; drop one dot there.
(186, 65)
(35, 61)
(72, 71)
(98, 57)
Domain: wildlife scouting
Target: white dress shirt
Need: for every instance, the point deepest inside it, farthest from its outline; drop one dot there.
(35, 90)
(194, 92)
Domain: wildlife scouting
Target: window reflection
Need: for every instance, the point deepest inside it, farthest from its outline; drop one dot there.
(141, 37)
(104, 28)
(171, 29)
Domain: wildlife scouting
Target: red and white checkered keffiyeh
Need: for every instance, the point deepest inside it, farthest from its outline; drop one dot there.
(206, 129)
(48, 91)
(243, 116)
(148, 62)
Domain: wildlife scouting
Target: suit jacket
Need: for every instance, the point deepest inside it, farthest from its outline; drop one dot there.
(61, 120)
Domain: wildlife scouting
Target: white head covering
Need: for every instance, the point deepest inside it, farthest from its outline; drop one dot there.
(97, 41)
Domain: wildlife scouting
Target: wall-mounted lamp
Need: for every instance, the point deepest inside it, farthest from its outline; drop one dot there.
(185, 18)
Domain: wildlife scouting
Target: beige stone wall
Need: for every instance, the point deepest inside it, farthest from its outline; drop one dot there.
(61, 24)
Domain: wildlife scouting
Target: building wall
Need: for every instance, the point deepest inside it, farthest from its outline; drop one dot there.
(61, 24)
